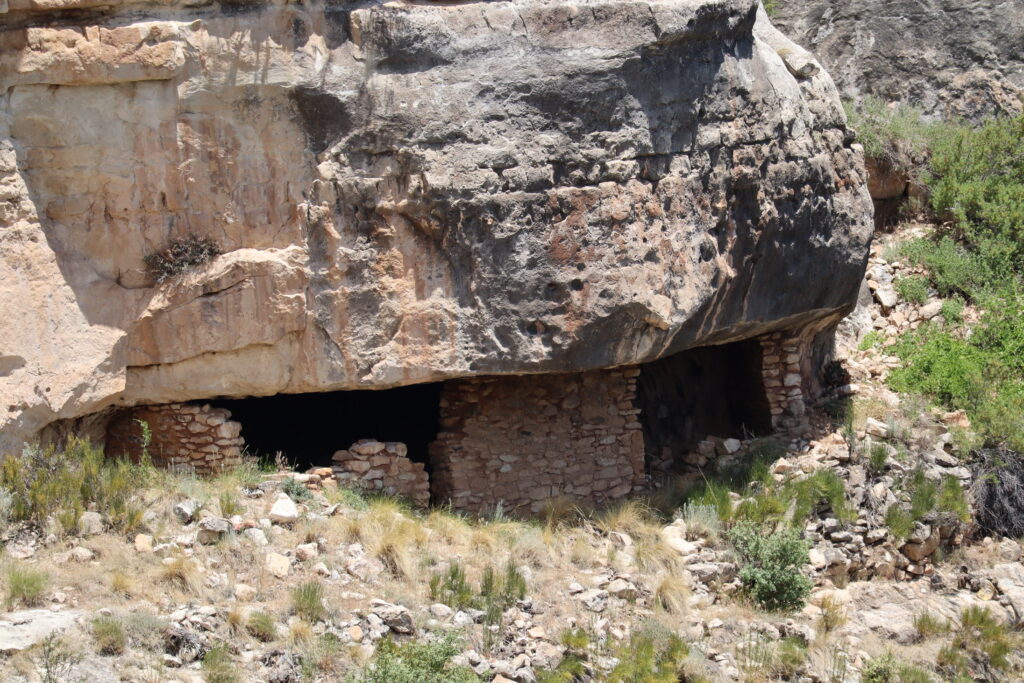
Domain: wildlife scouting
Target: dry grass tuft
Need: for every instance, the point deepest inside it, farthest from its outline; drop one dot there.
(26, 586)
(108, 632)
(671, 594)
(121, 584)
(299, 632)
(262, 627)
(181, 572)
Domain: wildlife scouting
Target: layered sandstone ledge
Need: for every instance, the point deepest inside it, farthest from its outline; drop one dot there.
(404, 193)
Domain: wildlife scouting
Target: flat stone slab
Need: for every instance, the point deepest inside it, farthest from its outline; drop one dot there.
(21, 630)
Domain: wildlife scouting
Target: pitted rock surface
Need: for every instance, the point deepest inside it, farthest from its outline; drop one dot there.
(954, 59)
(405, 193)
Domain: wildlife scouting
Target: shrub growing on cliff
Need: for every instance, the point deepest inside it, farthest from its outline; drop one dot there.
(895, 137)
(180, 255)
(772, 564)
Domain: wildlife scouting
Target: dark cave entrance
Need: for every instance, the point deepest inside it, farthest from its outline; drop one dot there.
(707, 391)
(309, 428)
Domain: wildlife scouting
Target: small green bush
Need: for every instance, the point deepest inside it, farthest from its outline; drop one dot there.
(295, 490)
(878, 458)
(26, 586)
(951, 498)
(181, 255)
(61, 484)
(416, 662)
(308, 601)
(913, 289)
(980, 644)
(976, 178)
(262, 626)
(109, 634)
(218, 666)
(896, 137)
(888, 669)
(899, 522)
(452, 588)
(652, 655)
(572, 668)
(822, 490)
(229, 505)
(772, 565)
(952, 311)
(928, 625)
(870, 340)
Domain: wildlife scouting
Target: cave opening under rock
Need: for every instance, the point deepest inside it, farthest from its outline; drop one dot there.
(310, 428)
(708, 391)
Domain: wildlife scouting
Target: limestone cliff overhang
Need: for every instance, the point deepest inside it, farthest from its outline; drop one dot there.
(405, 193)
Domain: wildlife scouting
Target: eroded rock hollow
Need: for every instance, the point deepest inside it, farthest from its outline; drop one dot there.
(407, 193)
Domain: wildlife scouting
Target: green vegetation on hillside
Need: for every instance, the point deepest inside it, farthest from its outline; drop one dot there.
(975, 180)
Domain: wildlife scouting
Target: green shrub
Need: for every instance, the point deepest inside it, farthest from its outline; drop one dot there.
(951, 498)
(321, 656)
(229, 505)
(913, 289)
(262, 626)
(451, 587)
(772, 565)
(980, 644)
(928, 625)
(899, 522)
(896, 137)
(652, 655)
(180, 255)
(26, 586)
(954, 269)
(888, 669)
(308, 601)
(952, 311)
(109, 635)
(878, 458)
(572, 668)
(870, 340)
(823, 490)
(976, 178)
(416, 662)
(295, 490)
(61, 484)
(218, 666)
(923, 494)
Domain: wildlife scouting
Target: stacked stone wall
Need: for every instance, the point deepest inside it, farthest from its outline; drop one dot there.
(523, 441)
(783, 379)
(197, 437)
(384, 467)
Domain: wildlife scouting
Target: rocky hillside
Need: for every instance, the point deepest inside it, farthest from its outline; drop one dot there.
(950, 58)
(287, 577)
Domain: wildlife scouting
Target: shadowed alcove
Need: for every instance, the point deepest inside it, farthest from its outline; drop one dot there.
(309, 428)
(702, 392)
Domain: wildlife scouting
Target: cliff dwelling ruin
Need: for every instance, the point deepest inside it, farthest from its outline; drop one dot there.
(519, 440)
(466, 272)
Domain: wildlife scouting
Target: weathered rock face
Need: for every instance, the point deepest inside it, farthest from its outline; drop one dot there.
(962, 58)
(404, 193)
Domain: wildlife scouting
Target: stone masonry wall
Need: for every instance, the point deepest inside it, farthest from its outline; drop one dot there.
(783, 381)
(525, 440)
(199, 437)
(385, 467)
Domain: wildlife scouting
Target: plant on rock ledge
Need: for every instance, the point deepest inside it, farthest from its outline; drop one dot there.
(180, 255)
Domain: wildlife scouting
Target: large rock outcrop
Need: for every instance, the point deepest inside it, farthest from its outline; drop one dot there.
(404, 193)
(952, 58)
